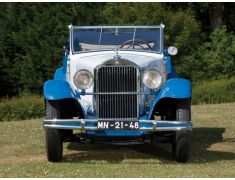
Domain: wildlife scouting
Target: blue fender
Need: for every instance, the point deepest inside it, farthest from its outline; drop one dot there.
(57, 89)
(173, 88)
(59, 74)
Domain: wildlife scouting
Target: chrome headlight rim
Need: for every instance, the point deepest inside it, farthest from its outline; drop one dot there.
(80, 73)
(159, 84)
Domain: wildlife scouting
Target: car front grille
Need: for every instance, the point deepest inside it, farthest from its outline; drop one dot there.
(112, 80)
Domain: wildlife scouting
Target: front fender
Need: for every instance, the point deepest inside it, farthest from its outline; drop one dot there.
(176, 88)
(173, 88)
(59, 74)
(57, 89)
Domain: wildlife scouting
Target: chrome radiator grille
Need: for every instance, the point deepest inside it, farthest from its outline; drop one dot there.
(113, 80)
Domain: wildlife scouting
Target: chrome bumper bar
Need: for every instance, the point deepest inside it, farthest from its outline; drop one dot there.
(89, 124)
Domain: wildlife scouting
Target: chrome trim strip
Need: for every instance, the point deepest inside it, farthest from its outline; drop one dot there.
(117, 93)
(138, 90)
(51, 121)
(54, 121)
(56, 126)
(152, 129)
(164, 72)
(121, 63)
(70, 124)
(165, 129)
(160, 38)
(70, 40)
(164, 122)
(103, 27)
(102, 50)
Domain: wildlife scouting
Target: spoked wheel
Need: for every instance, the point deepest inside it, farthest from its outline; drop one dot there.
(181, 139)
(54, 138)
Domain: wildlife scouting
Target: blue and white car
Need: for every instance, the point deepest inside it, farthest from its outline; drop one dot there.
(117, 85)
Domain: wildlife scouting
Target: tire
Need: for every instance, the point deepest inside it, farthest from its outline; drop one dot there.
(181, 139)
(54, 140)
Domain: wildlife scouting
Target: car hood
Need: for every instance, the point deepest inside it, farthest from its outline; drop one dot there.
(91, 60)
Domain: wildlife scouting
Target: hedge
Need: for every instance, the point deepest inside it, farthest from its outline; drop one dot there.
(21, 107)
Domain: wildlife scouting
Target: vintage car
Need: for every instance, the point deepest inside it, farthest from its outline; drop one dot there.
(117, 86)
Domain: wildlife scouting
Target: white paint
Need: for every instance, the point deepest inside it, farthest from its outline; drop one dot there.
(90, 60)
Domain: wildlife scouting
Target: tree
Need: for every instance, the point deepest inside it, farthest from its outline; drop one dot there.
(32, 36)
(216, 14)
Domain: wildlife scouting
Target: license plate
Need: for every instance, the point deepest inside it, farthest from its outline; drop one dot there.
(117, 125)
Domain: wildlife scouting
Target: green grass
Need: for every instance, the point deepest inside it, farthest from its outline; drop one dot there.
(212, 152)
(214, 92)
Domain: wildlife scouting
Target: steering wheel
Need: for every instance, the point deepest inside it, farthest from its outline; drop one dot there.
(133, 41)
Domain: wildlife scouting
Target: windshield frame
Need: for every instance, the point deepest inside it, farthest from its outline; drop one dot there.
(161, 28)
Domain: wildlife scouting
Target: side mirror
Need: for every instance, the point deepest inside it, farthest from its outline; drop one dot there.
(172, 50)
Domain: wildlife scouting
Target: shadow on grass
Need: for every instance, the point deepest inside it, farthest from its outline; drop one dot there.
(202, 139)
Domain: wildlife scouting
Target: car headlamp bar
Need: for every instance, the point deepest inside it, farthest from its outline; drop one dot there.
(117, 93)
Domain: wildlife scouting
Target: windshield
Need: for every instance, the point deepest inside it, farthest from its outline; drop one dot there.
(147, 38)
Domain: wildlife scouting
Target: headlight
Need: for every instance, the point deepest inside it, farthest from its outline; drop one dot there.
(83, 79)
(172, 50)
(152, 79)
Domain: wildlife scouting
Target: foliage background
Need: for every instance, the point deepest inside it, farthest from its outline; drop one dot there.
(32, 37)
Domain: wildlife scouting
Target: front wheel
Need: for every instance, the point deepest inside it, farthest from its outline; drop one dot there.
(54, 140)
(54, 145)
(181, 139)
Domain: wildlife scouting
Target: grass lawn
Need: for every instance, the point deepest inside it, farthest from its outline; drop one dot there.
(22, 152)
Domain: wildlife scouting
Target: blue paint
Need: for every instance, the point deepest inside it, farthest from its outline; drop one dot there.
(167, 59)
(143, 118)
(118, 133)
(165, 52)
(57, 89)
(59, 74)
(173, 88)
(173, 73)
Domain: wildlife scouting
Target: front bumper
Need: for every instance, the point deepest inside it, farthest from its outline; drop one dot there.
(91, 124)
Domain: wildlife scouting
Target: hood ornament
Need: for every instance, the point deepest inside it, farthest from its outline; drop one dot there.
(116, 56)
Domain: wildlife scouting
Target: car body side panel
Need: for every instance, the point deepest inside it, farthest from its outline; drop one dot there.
(57, 89)
(168, 64)
(173, 88)
(173, 73)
